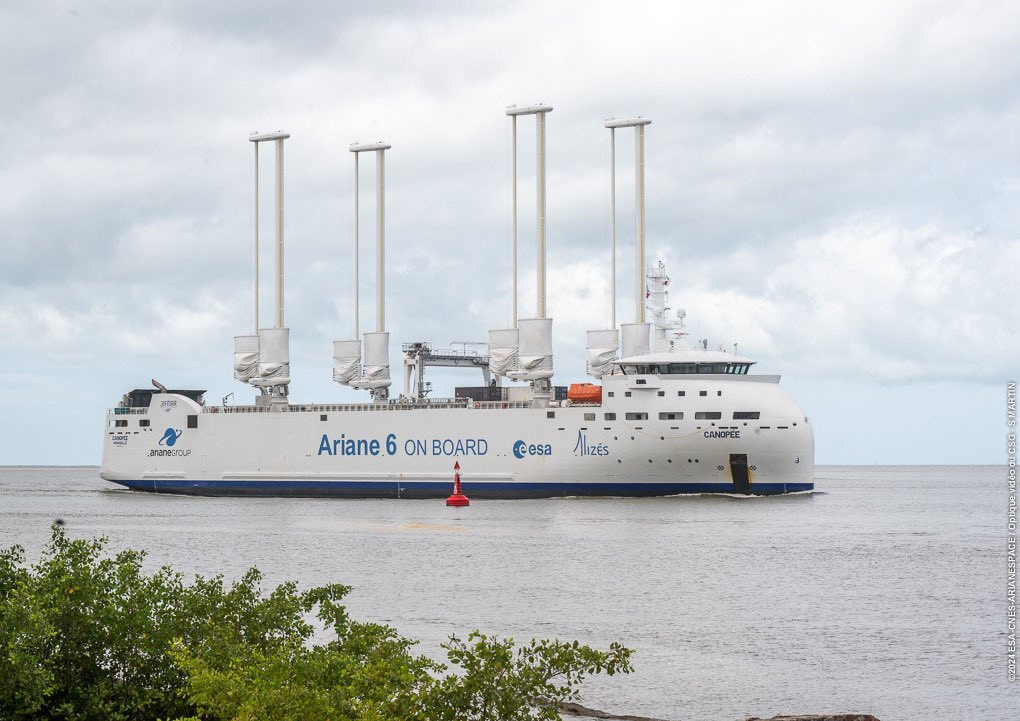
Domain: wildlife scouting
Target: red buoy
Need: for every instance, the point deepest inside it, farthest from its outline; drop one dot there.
(457, 499)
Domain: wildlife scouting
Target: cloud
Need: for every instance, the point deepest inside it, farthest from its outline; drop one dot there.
(835, 188)
(868, 300)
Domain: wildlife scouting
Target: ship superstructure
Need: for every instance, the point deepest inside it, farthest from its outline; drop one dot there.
(665, 418)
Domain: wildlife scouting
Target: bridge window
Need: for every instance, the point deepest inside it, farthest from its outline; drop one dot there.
(144, 423)
(637, 416)
(708, 415)
(609, 416)
(192, 421)
(671, 416)
(550, 414)
(746, 415)
(589, 416)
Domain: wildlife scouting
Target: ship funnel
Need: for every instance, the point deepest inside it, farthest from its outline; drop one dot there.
(375, 373)
(346, 361)
(535, 361)
(603, 347)
(246, 357)
(503, 345)
(635, 339)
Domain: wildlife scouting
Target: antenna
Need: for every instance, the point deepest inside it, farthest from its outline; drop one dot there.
(539, 111)
(639, 210)
(380, 234)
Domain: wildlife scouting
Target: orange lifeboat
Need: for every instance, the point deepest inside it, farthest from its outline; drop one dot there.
(584, 393)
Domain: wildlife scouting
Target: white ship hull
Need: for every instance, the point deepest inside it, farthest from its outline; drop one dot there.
(390, 450)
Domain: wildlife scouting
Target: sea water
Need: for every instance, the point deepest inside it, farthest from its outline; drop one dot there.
(882, 592)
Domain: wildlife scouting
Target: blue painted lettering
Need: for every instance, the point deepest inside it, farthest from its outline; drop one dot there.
(522, 449)
(584, 448)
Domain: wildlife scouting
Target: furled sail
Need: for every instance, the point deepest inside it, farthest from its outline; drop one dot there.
(503, 350)
(535, 358)
(603, 351)
(346, 360)
(246, 357)
(375, 373)
(274, 357)
(635, 339)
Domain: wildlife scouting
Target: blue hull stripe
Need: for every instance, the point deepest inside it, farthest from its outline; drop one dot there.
(441, 489)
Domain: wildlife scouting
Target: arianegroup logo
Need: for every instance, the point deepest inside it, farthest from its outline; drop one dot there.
(170, 437)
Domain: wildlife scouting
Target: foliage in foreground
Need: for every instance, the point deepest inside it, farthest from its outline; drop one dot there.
(84, 636)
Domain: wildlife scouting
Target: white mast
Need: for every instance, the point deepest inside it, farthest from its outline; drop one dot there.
(539, 111)
(612, 225)
(375, 372)
(270, 348)
(357, 248)
(639, 211)
(257, 138)
(380, 231)
(256, 147)
(513, 122)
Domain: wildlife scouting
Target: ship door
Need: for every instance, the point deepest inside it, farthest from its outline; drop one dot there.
(741, 476)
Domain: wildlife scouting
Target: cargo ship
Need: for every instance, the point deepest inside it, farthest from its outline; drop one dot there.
(662, 417)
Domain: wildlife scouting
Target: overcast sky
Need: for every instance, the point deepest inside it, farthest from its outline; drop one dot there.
(833, 186)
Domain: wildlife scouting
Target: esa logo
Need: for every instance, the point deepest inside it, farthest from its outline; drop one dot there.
(522, 449)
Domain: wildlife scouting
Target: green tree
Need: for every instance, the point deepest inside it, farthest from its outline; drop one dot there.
(84, 636)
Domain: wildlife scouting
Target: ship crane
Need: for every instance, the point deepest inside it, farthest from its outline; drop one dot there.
(419, 354)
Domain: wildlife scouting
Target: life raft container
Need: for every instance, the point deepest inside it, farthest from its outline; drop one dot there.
(584, 393)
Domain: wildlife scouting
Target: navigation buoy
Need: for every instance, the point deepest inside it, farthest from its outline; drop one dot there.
(457, 499)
